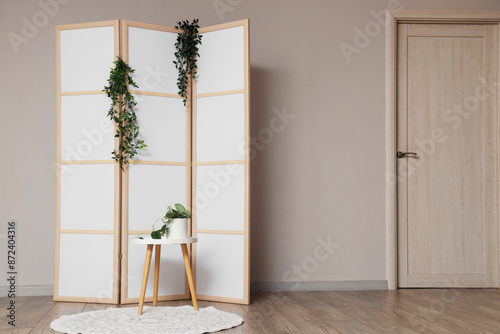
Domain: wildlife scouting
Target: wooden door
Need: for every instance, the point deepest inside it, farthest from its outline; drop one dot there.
(447, 193)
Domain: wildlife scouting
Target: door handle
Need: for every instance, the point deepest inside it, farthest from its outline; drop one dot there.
(400, 154)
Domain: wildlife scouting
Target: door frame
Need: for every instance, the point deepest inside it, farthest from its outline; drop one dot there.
(393, 17)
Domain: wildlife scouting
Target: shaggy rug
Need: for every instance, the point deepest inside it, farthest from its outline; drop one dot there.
(154, 320)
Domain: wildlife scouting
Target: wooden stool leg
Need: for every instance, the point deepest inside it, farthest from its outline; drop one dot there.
(157, 273)
(189, 276)
(149, 252)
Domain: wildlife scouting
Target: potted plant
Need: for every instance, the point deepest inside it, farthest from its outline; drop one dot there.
(175, 223)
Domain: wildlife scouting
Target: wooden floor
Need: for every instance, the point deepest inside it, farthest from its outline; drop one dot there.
(465, 311)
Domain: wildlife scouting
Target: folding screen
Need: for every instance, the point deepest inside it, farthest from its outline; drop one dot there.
(162, 176)
(87, 191)
(221, 164)
(197, 155)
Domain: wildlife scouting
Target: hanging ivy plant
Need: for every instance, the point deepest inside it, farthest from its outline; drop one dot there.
(187, 51)
(126, 119)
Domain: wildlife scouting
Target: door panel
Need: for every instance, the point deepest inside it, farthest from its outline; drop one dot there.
(447, 114)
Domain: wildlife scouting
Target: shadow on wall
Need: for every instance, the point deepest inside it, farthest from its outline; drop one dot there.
(263, 110)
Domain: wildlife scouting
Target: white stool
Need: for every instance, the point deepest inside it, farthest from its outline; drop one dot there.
(149, 252)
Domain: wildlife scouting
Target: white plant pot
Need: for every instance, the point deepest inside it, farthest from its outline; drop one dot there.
(178, 229)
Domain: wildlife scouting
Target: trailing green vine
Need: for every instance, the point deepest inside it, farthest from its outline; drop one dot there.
(187, 51)
(126, 119)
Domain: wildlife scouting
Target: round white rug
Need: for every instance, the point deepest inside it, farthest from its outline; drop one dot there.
(154, 320)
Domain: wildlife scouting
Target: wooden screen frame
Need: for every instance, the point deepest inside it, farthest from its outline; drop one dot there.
(121, 232)
(393, 17)
(125, 174)
(59, 162)
(246, 232)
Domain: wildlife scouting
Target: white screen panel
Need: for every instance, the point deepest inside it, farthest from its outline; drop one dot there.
(87, 133)
(172, 272)
(221, 62)
(162, 122)
(220, 265)
(151, 54)
(220, 188)
(87, 197)
(86, 265)
(87, 56)
(151, 189)
(220, 128)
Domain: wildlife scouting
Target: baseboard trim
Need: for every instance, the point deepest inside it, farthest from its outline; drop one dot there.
(47, 290)
(318, 285)
(29, 290)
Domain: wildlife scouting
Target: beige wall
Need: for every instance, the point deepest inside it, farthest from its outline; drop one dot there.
(322, 175)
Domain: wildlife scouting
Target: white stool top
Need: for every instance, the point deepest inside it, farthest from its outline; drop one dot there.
(150, 241)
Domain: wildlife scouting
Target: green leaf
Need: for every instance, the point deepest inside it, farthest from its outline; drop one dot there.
(127, 129)
(186, 53)
(180, 208)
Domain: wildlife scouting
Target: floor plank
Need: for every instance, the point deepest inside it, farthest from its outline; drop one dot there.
(478, 308)
(29, 314)
(405, 311)
(423, 317)
(352, 327)
(450, 315)
(319, 307)
(487, 297)
(60, 309)
(369, 313)
(304, 319)
(5, 303)
(99, 307)
(264, 318)
(401, 311)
